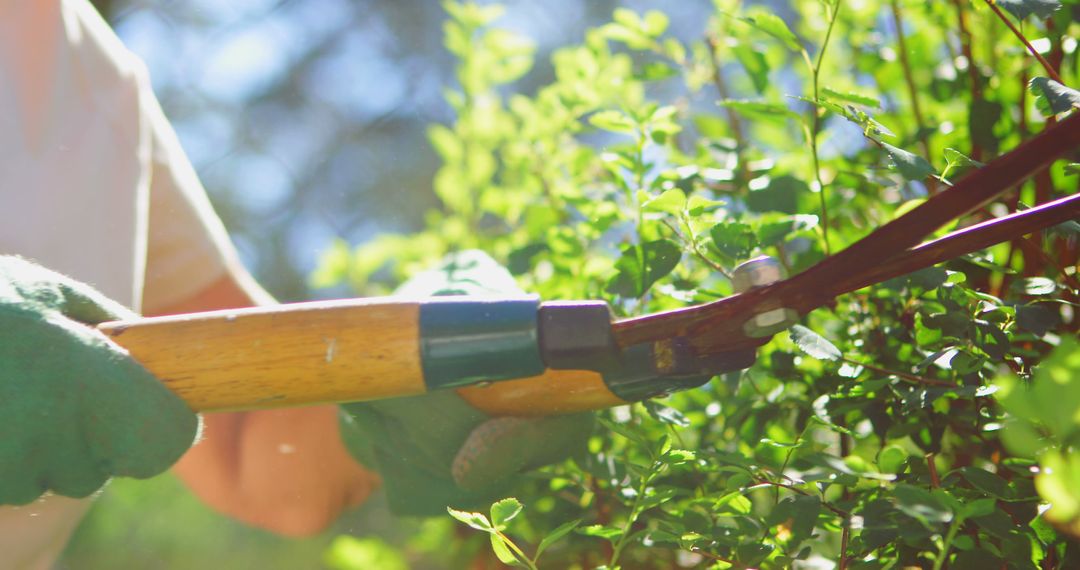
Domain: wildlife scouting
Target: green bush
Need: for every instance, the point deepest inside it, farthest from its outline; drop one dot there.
(871, 436)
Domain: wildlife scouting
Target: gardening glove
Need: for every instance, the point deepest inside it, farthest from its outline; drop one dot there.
(436, 450)
(76, 408)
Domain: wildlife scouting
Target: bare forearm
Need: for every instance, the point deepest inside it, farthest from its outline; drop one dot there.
(283, 470)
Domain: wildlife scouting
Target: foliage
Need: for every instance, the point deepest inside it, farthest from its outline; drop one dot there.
(649, 167)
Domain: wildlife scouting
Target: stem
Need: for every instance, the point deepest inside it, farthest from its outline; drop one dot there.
(721, 87)
(947, 544)
(517, 551)
(696, 247)
(630, 520)
(794, 489)
(815, 72)
(1020, 35)
(909, 78)
(973, 72)
(935, 479)
(843, 546)
(903, 375)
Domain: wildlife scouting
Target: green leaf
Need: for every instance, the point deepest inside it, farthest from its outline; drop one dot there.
(852, 97)
(987, 482)
(814, 344)
(640, 266)
(670, 201)
(957, 158)
(502, 551)
(665, 414)
(1036, 318)
(780, 195)
(772, 24)
(911, 166)
(504, 511)
(764, 110)
(921, 505)
(350, 553)
(554, 536)
(1035, 286)
(614, 121)
(734, 239)
(1052, 97)
(1023, 8)
(655, 23)
(891, 459)
(977, 508)
(601, 531)
(475, 520)
(755, 64)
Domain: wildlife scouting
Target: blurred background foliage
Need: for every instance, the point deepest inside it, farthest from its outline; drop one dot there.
(608, 170)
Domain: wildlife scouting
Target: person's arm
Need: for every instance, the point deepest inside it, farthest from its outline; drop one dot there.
(283, 470)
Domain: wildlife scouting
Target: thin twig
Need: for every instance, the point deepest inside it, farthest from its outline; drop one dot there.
(1020, 35)
(909, 79)
(721, 87)
(835, 510)
(935, 480)
(716, 557)
(973, 71)
(903, 375)
(815, 70)
(843, 546)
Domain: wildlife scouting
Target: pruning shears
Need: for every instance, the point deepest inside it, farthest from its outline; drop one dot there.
(520, 356)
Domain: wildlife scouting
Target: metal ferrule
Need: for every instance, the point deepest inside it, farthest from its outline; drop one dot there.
(470, 340)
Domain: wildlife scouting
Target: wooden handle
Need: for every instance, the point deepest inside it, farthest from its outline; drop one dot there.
(321, 352)
(283, 355)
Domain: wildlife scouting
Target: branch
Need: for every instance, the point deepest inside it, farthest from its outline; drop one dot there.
(1020, 35)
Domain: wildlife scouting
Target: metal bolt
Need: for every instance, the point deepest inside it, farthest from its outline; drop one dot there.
(758, 272)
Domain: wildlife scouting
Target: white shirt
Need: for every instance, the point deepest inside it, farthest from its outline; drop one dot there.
(93, 184)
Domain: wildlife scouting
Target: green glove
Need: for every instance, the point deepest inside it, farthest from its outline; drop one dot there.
(436, 450)
(76, 408)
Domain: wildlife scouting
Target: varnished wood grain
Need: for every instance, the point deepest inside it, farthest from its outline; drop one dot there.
(284, 355)
(551, 393)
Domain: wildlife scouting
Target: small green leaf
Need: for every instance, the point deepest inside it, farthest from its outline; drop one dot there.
(921, 505)
(780, 195)
(977, 508)
(665, 414)
(614, 121)
(504, 511)
(502, 551)
(655, 23)
(764, 110)
(755, 64)
(601, 531)
(910, 165)
(891, 459)
(1035, 286)
(774, 26)
(475, 520)
(1023, 8)
(554, 536)
(957, 158)
(670, 201)
(852, 97)
(640, 266)
(814, 344)
(734, 239)
(987, 482)
(1052, 97)
(1036, 318)
(349, 553)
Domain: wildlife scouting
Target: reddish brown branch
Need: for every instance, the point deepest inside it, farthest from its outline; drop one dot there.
(972, 69)
(1020, 35)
